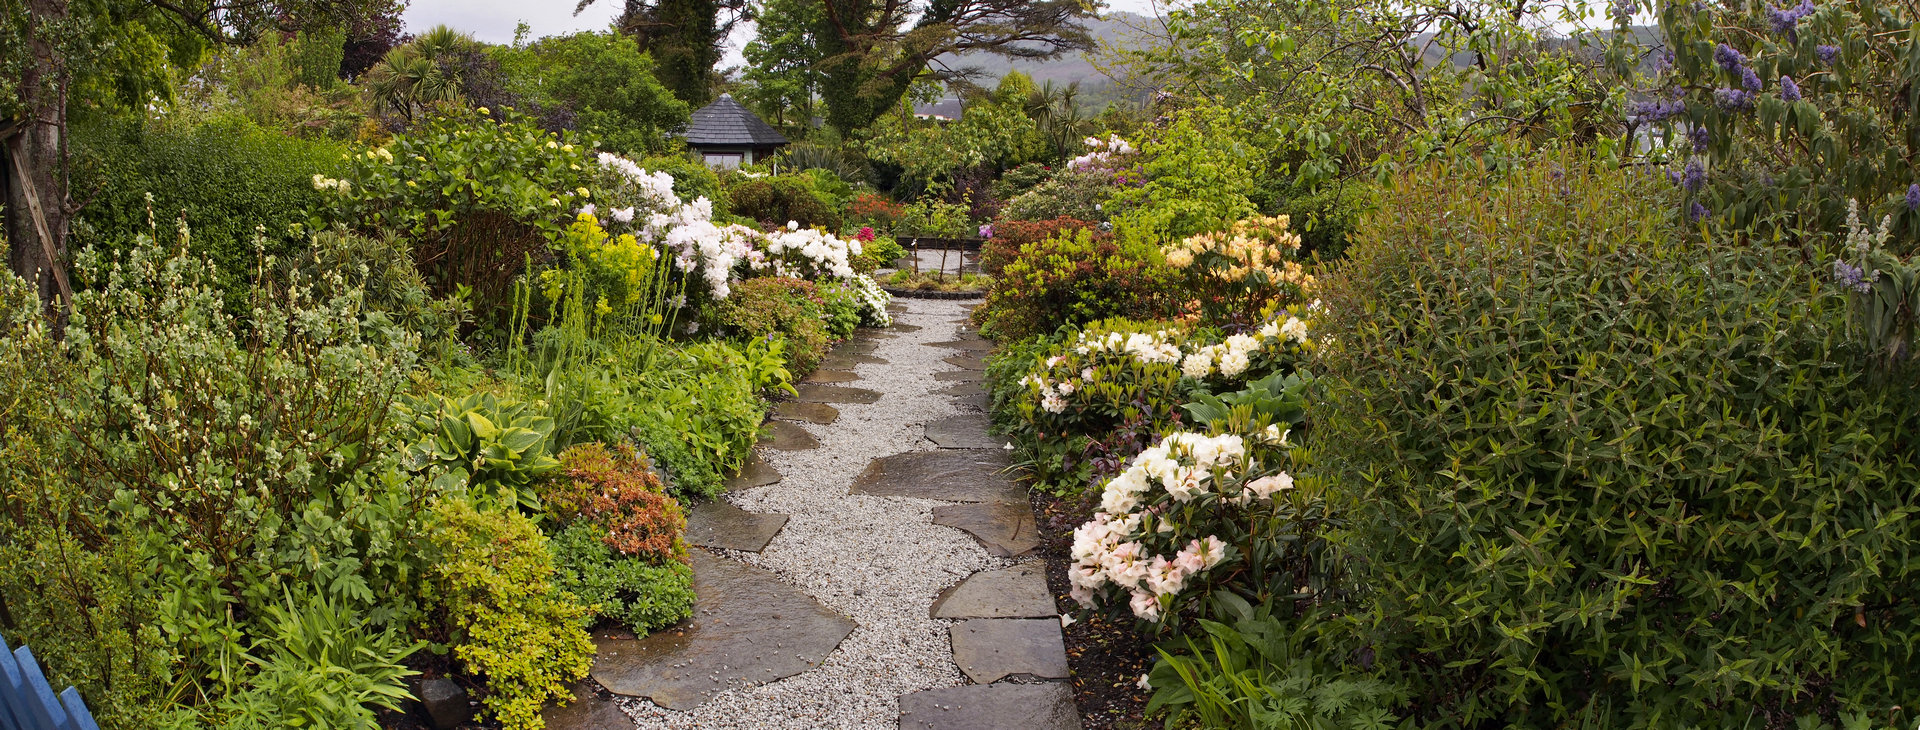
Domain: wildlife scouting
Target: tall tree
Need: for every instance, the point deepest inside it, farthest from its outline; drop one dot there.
(871, 53)
(782, 75)
(106, 52)
(684, 37)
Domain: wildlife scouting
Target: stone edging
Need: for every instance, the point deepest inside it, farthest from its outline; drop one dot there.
(919, 294)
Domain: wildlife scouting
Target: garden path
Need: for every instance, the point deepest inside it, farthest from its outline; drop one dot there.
(871, 568)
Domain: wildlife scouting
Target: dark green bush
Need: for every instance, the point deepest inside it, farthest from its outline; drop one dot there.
(773, 201)
(1073, 278)
(223, 176)
(1604, 474)
(783, 306)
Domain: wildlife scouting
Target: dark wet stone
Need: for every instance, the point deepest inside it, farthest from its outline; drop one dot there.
(830, 376)
(587, 711)
(964, 387)
(965, 431)
(747, 627)
(953, 475)
(755, 473)
(838, 361)
(1016, 592)
(897, 308)
(856, 347)
(965, 362)
(1005, 529)
(991, 649)
(804, 412)
(719, 524)
(812, 393)
(1005, 706)
(972, 344)
(904, 327)
(978, 399)
(445, 702)
(788, 437)
(963, 376)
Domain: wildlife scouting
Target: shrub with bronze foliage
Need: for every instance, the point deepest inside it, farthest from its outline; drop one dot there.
(1073, 279)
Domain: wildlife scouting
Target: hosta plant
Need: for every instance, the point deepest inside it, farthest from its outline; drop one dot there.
(491, 450)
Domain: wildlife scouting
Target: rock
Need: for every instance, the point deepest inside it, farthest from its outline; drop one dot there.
(965, 362)
(812, 393)
(964, 387)
(587, 711)
(953, 475)
(856, 347)
(445, 702)
(898, 308)
(978, 400)
(788, 437)
(1016, 592)
(1005, 529)
(1004, 706)
(747, 627)
(967, 376)
(838, 361)
(903, 327)
(830, 376)
(972, 344)
(720, 524)
(755, 473)
(991, 649)
(966, 431)
(803, 412)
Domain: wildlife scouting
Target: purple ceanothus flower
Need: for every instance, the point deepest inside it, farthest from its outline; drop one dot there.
(1852, 277)
(1673, 176)
(1656, 111)
(1623, 9)
(1733, 100)
(1695, 176)
(1787, 20)
(1729, 58)
(1696, 212)
(1826, 53)
(1913, 197)
(1700, 139)
(1789, 91)
(1749, 79)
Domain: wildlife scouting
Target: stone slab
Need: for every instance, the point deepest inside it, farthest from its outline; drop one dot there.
(1004, 706)
(978, 399)
(904, 327)
(785, 436)
(965, 431)
(964, 387)
(719, 524)
(805, 412)
(972, 344)
(856, 347)
(965, 362)
(748, 627)
(836, 361)
(1016, 592)
(962, 376)
(756, 472)
(897, 308)
(1005, 529)
(587, 711)
(830, 376)
(991, 649)
(814, 393)
(953, 475)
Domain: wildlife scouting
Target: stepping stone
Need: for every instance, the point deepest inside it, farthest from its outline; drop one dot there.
(747, 627)
(587, 711)
(965, 362)
(788, 437)
(838, 361)
(857, 347)
(896, 308)
(720, 524)
(964, 376)
(755, 473)
(977, 344)
(978, 400)
(1016, 592)
(901, 327)
(1004, 706)
(953, 475)
(804, 412)
(964, 387)
(1005, 529)
(991, 649)
(830, 376)
(967, 431)
(812, 393)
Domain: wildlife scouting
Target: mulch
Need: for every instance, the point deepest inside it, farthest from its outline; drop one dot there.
(1107, 656)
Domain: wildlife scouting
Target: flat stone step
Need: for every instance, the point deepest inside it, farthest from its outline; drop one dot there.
(720, 524)
(1016, 592)
(856, 347)
(964, 387)
(991, 649)
(966, 431)
(747, 627)
(965, 376)
(965, 362)
(904, 327)
(830, 376)
(804, 412)
(587, 711)
(840, 361)
(814, 393)
(972, 344)
(978, 400)
(1004, 529)
(952, 475)
(786, 436)
(1003, 706)
(756, 472)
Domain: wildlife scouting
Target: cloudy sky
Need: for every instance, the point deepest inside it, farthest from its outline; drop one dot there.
(494, 20)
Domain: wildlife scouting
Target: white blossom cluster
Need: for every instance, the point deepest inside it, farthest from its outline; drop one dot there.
(1233, 357)
(656, 188)
(873, 302)
(1100, 153)
(1053, 395)
(1149, 349)
(322, 182)
(806, 254)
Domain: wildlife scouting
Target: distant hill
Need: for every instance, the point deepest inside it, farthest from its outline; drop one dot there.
(1116, 28)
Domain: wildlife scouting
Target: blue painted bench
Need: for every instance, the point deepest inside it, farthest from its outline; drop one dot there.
(27, 702)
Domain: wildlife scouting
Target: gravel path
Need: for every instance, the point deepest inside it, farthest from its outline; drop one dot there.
(879, 560)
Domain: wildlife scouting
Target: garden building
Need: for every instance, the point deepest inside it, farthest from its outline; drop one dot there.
(727, 135)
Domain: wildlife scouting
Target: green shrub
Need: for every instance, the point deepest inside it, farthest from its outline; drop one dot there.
(843, 308)
(692, 180)
(699, 410)
(1010, 235)
(480, 447)
(1073, 279)
(223, 176)
(878, 252)
(776, 305)
(321, 665)
(1252, 674)
(1080, 195)
(492, 575)
(774, 201)
(603, 83)
(641, 595)
(1601, 472)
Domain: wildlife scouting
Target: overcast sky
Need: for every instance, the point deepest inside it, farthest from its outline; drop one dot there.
(493, 21)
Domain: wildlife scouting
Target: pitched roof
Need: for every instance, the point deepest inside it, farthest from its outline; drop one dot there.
(726, 122)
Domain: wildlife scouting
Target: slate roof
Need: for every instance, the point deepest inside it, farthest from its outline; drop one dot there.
(726, 122)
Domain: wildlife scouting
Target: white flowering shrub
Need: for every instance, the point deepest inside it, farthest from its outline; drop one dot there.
(810, 254)
(873, 302)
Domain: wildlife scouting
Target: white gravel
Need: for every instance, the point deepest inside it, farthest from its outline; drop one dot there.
(879, 560)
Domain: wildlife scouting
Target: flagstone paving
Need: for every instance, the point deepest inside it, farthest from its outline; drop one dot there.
(805, 412)
(965, 362)
(830, 376)
(755, 473)
(966, 431)
(784, 436)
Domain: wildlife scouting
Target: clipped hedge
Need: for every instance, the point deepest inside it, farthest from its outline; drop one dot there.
(1605, 474)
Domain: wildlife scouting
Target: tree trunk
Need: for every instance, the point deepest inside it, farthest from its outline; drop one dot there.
(34, 166)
